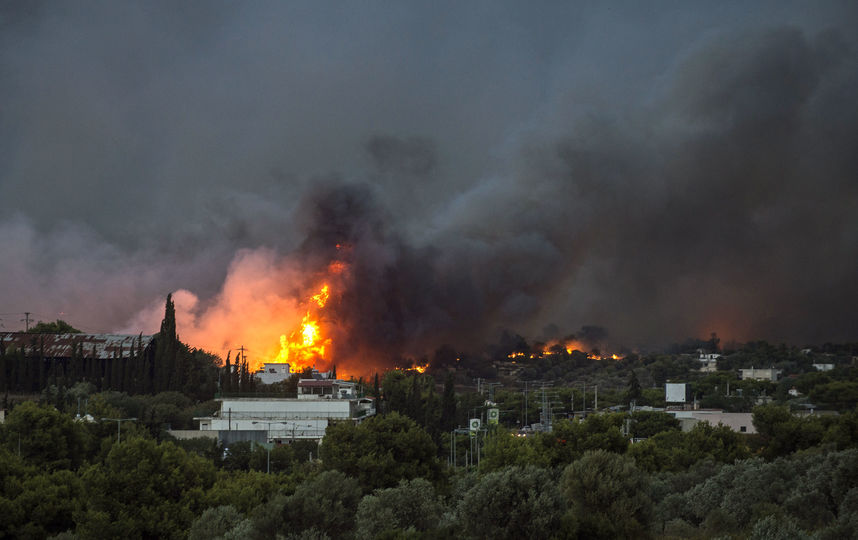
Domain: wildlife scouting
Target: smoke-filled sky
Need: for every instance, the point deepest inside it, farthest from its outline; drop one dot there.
(661, 169)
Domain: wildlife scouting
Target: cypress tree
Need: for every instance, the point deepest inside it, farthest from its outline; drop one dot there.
(3, 380)
(227, 379)
(166, 377)
(41, 360)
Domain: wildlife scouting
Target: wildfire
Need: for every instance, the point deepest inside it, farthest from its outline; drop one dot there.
(322, 298)
(305, 344)
(551, 348)
(421, 369)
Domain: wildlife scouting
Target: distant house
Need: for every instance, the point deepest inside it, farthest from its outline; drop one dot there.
(708, 361)
(757, 374)
(281, 420)
(823, 367)
(273, 372)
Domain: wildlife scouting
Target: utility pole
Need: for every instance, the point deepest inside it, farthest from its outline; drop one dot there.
(492, 390)
(119, 424)
(545, 413)
(26, 321)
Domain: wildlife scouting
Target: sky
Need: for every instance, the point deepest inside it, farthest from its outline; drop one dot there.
(661, 169)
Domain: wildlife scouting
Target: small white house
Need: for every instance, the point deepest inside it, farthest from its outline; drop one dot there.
(757, 374)
(272, 372)
(823, 367)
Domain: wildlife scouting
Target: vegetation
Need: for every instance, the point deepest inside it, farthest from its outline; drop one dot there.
(601, 471)
(57, 327)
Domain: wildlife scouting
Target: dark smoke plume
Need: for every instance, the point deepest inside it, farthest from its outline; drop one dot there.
(661, 173)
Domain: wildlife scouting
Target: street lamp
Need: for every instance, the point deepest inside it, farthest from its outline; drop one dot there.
(118, 424)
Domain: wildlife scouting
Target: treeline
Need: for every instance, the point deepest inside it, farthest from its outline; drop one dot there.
(166, 364)
(29, 370)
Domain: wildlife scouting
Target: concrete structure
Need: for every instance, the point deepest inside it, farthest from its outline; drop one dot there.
(823, 367)
(268, 419)
(767, 374)
(676, 392)
(739, 422)
(273, 372)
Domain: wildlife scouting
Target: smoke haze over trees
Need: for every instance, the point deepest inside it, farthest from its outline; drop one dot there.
(661, 173)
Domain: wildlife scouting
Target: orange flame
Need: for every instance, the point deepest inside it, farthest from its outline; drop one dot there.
(305, 344)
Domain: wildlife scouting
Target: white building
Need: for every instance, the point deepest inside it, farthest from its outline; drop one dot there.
(823, 367)
(757, 374)
(272, 372)
(739, 422)
(280, 420)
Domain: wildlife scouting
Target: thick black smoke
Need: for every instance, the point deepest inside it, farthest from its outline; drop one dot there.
(661, 173)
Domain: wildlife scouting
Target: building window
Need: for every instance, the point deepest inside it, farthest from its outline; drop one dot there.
(743, 429)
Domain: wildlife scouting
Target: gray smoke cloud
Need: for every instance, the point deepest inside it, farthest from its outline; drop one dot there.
(662, 170)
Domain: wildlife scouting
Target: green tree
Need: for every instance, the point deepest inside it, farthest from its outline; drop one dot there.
(448, 404)
(633, 391)
(58, 327)
(782, 433)
(45, 437)
(144, 489)
(609, 497)
(411, 506)
(676, 451)
(514, 502)
(45, 505)
(380, 451)
(647, 423)
(237, 456)
(503, 449)
(327, 502)
(245, 490)
(777, 528)
(570, 439)
(841, 395)
(220, 522)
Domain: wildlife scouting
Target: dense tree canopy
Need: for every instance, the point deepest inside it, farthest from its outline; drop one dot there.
(380, 451)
